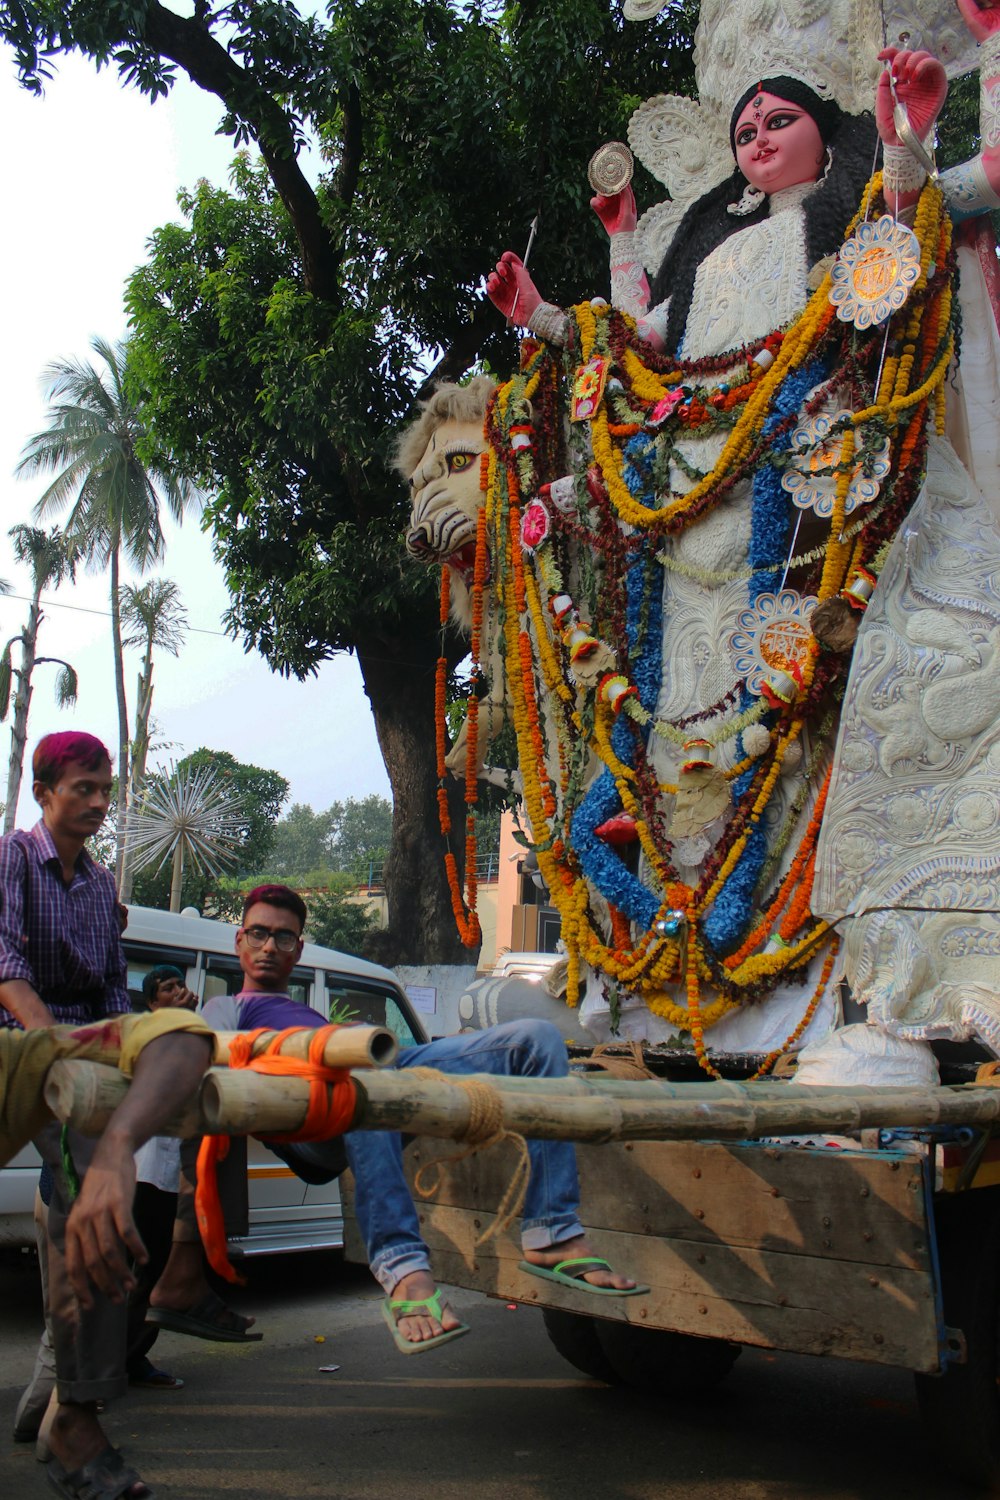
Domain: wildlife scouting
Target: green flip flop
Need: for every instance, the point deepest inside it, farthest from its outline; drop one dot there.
(394, 1308)
(585, 1263)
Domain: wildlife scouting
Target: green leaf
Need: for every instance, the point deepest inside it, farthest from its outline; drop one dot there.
(66, 687)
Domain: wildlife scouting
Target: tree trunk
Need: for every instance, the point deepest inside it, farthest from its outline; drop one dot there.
(123, 759)
(19, 722)
(399, 682)
(140, 749)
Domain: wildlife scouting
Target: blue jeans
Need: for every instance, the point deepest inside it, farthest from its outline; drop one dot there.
(386, 1215)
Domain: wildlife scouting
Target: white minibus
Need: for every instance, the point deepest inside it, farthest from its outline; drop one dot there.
(284, 1212)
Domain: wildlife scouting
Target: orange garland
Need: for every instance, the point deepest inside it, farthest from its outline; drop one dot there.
(806, 851)
(464, 911)
(810, 1011)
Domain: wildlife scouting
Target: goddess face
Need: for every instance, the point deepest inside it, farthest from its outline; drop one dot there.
(446, 497)
(778, 144)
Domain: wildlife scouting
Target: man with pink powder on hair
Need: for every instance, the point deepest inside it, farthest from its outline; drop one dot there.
(61, 960)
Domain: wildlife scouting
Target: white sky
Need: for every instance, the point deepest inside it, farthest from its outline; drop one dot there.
(90, 171)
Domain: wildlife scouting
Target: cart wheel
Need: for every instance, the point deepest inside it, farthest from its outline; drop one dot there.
(675, 1364)
(574, 1336)
(960, 1409)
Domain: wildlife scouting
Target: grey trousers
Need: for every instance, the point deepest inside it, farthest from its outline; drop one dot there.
(35, 1397)
(89, 1343)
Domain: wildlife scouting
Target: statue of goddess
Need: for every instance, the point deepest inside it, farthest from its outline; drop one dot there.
(794, 593)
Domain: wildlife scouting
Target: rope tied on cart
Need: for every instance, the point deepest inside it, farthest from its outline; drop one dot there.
(330, 1112)
(485, 1129)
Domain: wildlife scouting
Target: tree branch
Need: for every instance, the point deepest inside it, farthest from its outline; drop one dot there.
(208, 64)
(350, 161)
(464, 349)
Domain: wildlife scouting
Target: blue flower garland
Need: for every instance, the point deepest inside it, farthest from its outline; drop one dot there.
(730, 915)
(600, 862)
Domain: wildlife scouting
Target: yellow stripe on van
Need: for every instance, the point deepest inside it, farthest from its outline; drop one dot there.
(270, 1171)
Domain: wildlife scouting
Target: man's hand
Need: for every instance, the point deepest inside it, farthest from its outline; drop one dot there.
(100, 1230)
(21, 999)
(981, 16)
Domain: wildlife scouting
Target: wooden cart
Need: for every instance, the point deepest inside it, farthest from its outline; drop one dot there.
(882, 1254)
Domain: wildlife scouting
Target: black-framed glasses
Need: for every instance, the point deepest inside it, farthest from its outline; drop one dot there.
(284, 938)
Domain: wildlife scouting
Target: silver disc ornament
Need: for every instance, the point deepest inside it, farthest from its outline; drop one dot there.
(610, 168)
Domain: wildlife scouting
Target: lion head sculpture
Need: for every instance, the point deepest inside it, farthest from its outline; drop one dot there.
(438, 455)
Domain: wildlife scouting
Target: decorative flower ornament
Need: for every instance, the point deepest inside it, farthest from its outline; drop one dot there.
(615, 689)
(814, 485)
(874, 272)
(772, 638)
(663, 409)
(535, 526)
(859, 591)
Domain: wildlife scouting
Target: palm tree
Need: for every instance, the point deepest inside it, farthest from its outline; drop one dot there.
(152, 616)
(52, 559)
(109, 469)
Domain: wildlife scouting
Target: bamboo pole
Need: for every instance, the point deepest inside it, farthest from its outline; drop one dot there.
(349, 1047)
(573, 1108)
(86, 1095)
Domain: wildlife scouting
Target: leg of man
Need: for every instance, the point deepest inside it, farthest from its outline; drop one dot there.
(154, 1212)
(182, 1300)
(551, 1228)
(89, 1343)
(35, 1397)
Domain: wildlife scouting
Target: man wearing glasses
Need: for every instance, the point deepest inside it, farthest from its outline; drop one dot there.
(269, 945)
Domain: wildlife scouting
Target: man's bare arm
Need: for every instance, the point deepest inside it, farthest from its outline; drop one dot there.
(100, 1231)
(19, 997)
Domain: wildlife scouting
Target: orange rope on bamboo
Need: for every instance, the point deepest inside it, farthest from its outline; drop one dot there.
(330, 1112)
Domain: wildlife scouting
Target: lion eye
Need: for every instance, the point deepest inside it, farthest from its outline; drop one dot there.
(458, 461)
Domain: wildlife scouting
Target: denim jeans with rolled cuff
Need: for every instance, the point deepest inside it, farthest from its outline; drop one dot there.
(386, 1214)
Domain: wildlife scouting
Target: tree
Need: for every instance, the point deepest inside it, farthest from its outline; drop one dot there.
(111, 473)
(361, 834)
(51, 555)
(336, 922)
(152, 616)
(262, 794)
(284, 330)
(302, 842)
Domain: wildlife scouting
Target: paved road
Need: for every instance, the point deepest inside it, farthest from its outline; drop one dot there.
(494, 1416)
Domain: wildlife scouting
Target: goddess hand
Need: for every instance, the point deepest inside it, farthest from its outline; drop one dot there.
(921, 86)
(981, 16)
(617, 213)
(511, 289)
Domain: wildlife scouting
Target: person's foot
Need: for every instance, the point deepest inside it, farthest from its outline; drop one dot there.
(184, 1286)
(415, 1328)
(76, 1438)
(577, 1249)
(147, 1377)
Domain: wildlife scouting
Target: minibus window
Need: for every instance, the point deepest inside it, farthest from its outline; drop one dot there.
(373, 1006)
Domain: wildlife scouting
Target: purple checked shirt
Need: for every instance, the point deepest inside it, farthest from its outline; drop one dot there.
(64, 940)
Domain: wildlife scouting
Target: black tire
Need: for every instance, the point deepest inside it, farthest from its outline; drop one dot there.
(674, 1364)
(575, 1338)
(960, 1409)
